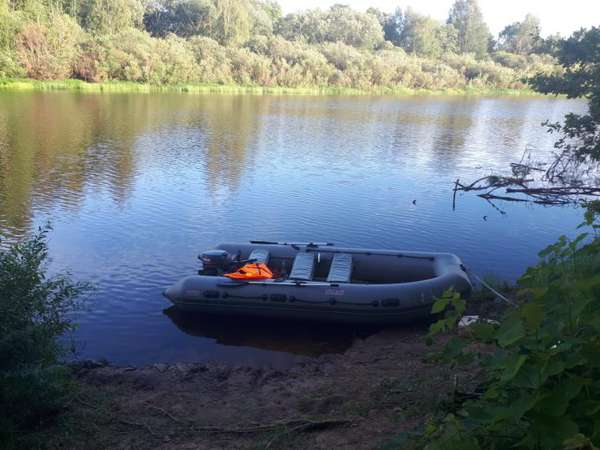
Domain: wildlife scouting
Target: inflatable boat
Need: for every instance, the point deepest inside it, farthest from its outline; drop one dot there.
(319, 281)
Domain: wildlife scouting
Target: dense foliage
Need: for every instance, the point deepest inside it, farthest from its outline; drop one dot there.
(33, 315)
(541, 363)
(251, 42)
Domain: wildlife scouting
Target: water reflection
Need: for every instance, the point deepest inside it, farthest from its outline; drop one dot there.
(136, 185)
(56, 146)
(299, 338)
(231, 126)
(448, 136)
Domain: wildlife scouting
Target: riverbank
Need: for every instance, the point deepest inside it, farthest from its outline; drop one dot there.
(373, 396)
(130, 87)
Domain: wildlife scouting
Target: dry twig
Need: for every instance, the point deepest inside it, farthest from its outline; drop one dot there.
(300, 423)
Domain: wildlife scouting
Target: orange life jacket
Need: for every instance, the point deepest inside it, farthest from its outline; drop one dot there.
(252, 271)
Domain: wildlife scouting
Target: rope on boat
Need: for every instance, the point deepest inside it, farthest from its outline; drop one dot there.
(490, 288)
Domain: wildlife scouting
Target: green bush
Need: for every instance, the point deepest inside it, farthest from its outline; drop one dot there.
(174, 62)
(351, 62)
(541, 379)
(129, 55)
(249, 68)
(10, 24)
(133, 55)
(48, 51)
(292, 64)
(34, 311)
(213, 62)
(92, 64)
(511, 60)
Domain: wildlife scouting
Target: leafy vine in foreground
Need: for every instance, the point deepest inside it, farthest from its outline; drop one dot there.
(541, 362)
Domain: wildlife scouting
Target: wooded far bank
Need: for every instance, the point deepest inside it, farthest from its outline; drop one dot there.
(251, 43)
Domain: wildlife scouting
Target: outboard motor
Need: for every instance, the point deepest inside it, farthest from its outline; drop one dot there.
(214, 262)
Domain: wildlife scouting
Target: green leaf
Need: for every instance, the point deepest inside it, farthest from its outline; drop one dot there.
(454, 347)
(438, 327)
(510, 331)
(482, 330)
(550, 431)
(529, 377)
(579, 441)
(440, 305)
(553, 367)
(511, 412)
(580, 238)
(523, 404)
(513, 367)
(556, 401)
(590, 407)
(533, 314)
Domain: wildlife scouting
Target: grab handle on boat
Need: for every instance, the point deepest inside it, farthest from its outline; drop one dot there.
(308, 244)
(232, 285)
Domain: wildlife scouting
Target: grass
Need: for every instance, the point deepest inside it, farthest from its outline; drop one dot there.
(24, 84)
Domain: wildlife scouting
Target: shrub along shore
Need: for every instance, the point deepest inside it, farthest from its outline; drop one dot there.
(250, 46)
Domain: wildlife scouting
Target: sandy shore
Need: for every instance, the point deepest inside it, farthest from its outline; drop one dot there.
(369, 397)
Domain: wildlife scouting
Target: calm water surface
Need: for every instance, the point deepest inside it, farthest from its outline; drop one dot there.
(137, 185)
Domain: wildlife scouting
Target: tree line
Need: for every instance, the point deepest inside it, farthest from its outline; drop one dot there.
(251, 42)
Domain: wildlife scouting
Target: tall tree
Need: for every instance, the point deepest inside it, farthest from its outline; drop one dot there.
(271, 7)
(448, 38)
(112, 16)
(550, 44)
(233, 22)
(521, 37)
(185, 18)
(352, 27)
(380, 15)
(473, 33)
(392, 28)
(420, 34)
(263, 15)
(338, 24)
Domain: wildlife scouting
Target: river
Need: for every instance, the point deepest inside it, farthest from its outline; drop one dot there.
(136, 185)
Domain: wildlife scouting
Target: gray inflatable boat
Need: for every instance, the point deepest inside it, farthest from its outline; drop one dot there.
(320, 281)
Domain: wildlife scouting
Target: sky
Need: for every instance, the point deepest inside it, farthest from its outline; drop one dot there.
(556, 16)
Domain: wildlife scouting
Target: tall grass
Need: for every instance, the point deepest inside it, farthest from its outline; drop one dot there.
(26, 84)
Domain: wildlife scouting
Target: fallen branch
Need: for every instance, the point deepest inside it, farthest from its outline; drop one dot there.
(489, 196)
(165, 413)
(300, 424)
(525, 168)
(284, 433)
(564, 181)
(111, 417)
(558, 190)
(522, 192)
(139, 424)
(296, 424)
